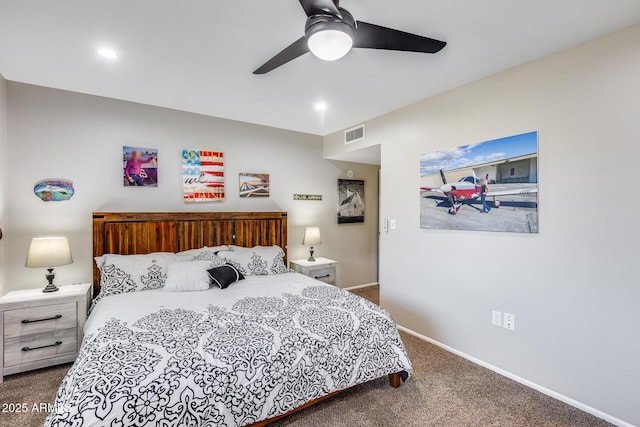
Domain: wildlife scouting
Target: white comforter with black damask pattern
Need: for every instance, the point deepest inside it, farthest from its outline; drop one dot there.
(227, 357)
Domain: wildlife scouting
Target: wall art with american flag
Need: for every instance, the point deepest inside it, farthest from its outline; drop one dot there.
(202, 176)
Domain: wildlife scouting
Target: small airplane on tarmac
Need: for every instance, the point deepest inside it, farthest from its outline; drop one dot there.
(468, 190)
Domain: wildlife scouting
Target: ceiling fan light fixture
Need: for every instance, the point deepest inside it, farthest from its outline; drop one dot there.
(330, 45)
(331, 32)
(328, 37)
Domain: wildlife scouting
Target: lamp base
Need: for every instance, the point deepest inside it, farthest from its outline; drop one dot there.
(311, 258)
(50, 276)
(51, 288)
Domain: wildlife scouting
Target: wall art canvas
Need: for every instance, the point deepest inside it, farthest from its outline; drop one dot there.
(488, 186)
(140, 167)
(202, 176)
(254, 185)
(54, 190)
(350, 201)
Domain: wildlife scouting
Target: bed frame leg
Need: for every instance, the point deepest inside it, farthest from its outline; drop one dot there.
(395, 380)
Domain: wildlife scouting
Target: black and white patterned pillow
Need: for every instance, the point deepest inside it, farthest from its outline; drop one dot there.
(257, 261)
(129, 273)
(210, 256)
(195, 252)
(224, 276)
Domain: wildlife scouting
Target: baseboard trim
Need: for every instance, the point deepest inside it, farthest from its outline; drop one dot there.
(544, 390)
(366, 285)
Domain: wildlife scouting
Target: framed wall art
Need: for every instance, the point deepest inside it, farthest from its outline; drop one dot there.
(140, 166)
(488, 186)
(202, 176)
(350, 201)
(254, 185)
(54, 190)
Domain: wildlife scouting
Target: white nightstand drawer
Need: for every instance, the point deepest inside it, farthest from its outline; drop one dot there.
(41, 329)
(34, 320)
(327, 275)
(322, 269)
(30, 348)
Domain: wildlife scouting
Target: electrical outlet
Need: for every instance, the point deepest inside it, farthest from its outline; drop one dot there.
(385, 225)
(509, 321)
(496, 318)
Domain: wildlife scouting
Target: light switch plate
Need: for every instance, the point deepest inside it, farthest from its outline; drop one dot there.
(496, 318)
(392, 224)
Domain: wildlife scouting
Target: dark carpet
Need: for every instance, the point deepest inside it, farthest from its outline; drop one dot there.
(445, 390)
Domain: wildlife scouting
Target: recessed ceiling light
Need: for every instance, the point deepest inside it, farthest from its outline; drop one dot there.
(107, 53)
(321, 106)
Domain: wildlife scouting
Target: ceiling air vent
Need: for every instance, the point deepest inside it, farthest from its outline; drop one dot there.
(354, 134)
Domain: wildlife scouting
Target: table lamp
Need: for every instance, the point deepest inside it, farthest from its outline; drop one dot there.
(49, 252)
(311, 238)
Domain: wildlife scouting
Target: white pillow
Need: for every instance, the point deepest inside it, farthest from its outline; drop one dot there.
(129, 273)
(241, 248)
(257, 261)
(195, 252)
(100, 260)
(188, 276)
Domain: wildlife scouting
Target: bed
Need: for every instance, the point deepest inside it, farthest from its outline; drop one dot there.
(257, 351)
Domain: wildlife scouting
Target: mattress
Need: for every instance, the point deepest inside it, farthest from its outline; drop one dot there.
(231, 357)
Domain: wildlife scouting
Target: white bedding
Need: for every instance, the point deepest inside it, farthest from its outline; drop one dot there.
(255, 350)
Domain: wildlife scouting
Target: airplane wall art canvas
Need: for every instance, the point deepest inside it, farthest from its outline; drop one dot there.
(488, 186)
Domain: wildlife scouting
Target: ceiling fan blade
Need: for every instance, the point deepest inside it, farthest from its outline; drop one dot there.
(298, 48)
(370, 36)
(317, 7)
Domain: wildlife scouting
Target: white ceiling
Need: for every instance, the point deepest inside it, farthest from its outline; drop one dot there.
(199, 55)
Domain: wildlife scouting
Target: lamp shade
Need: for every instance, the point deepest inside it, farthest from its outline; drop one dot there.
(311, 236)
(46, 252)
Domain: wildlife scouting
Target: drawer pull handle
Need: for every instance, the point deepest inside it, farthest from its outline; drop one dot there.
(322, 277)
(57, 343)
(56, 317)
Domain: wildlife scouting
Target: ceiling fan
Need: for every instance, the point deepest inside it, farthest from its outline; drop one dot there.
(331, 32)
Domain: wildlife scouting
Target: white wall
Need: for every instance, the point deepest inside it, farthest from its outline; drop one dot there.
(57, 134)
(3, 183)
(573, 287)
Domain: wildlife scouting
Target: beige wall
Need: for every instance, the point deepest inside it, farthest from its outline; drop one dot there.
(573, 287)
(3, 183)
(58, 134)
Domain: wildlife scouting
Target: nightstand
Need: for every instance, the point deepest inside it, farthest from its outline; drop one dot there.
(322, 269)
(41, 329)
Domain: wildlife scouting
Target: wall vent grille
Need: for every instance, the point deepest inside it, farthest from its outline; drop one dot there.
(354, 134)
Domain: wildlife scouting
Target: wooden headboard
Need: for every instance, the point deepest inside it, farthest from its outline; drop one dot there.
(131, 233)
